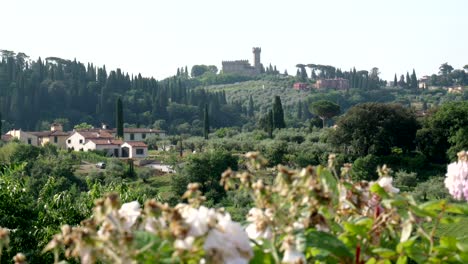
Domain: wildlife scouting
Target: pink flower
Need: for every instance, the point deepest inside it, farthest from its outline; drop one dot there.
(457, 179)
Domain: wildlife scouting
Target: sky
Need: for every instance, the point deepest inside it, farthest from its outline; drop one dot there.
(155, 37)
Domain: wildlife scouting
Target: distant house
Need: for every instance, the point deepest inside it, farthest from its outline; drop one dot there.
(23, 136)
(134, 149)
(99, 139)
(55, 136)
(299, 86)
(139, 134)
(110, 146)
(79, 138)
(338, 84)
(423, 83)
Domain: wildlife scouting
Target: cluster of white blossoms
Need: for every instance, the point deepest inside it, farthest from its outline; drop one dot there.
(224, 240)
(457, 177)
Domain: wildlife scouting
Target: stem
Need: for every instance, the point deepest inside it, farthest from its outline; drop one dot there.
(436, 224)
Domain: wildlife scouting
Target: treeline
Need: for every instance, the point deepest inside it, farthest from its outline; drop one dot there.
(36, 92)
(367, 80)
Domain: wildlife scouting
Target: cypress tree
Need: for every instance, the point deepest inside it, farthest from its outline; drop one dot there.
(206, 123)
(395, 81)
(278, 114)
(1, 124)
(299, 111)
(270, 123)
(250, 110)
(408, 80)
(414, 80)
(119, 119)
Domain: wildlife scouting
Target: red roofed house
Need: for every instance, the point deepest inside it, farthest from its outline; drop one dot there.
(134, 149)
(99, 139)
(299, 86)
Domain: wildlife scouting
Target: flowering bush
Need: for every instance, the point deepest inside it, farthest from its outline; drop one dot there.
(313, 215)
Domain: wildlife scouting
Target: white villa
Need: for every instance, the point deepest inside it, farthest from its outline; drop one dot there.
(132, 145)
(139, 134)
(99, 139)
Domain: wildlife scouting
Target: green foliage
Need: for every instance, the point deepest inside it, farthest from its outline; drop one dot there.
(82, 126)
(374, 128)
(444, 132)
(205, 168)
(365, 168)
(119, 118)
(278, 114)
(325, 110)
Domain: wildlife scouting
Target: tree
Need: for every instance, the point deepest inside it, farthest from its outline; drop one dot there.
(119, 118)
(445, 69)
(443, 133)
(325, 110)
(414, 80)
(375, 128)
(82, 126)
(206, 169)
(278, 114)
(302, 73)
(250, 110)
(206, 122)
(395, 81)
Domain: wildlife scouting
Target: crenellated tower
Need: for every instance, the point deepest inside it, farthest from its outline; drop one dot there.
(257, 64)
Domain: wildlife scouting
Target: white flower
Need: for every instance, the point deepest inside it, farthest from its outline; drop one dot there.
(386, 184)
(254, 233)
(230, 241)
(129, 212)
(154, 224)
(258, 228)
(184, 244)
(291, 255)
(457, 179)
(198, 219)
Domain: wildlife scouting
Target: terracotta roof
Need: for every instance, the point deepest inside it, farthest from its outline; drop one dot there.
(7, 137)
(139, 130)
(106, 141)
(136, 143)
(100, 134)
(49, 133)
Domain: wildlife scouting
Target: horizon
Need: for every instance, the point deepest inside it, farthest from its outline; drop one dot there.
(155, 39)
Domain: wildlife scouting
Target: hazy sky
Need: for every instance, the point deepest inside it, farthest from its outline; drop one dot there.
(155, 37)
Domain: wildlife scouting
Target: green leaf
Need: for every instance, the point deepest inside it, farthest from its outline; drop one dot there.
(260, 257)
(330, 243)
(434, 206)
(457, 208)
(384, 252)
(402, 260)
(377, 189)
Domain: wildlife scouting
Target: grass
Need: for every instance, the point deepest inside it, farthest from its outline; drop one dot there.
(163, 184)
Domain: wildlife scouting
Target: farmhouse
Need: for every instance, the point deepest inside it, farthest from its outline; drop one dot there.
(139, 134)
(55, 136)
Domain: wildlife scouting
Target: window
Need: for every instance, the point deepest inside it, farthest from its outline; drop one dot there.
(55, 139)
(140, 151)
(29, 141)
(132, 136)
(143, 136)
(81, 141)
(69, 141)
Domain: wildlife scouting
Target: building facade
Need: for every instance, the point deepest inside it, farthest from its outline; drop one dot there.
(243, 67)
(338, 84)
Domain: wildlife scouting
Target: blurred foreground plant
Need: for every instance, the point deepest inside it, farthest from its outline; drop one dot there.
(313, 215)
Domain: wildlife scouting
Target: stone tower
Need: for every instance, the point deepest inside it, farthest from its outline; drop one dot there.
(257, 65)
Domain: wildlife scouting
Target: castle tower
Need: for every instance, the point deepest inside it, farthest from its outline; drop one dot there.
(257, 65)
